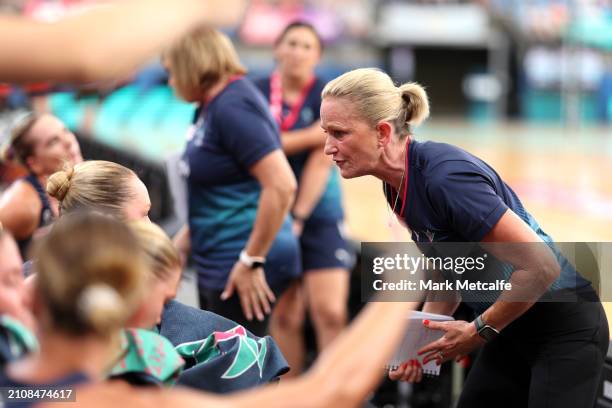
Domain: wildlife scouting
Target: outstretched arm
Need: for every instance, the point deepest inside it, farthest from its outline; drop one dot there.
(107, 42)
(343, 375)
(346, 372)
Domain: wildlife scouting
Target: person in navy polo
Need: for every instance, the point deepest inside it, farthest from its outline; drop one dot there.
(532, 353)
(293, 92)
(240, 186)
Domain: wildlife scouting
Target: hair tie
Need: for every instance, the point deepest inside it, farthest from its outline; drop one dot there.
(63, 189)
(99, 303)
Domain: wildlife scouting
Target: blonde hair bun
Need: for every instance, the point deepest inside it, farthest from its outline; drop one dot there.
(59, 183)
(416, 103)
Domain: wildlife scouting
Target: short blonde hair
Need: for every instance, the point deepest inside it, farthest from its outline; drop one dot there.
(92, 185)
(90, 274)
(201, 59)
(377, 99)
(160, 253)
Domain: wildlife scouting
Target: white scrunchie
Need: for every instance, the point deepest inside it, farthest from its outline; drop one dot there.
(99, 303)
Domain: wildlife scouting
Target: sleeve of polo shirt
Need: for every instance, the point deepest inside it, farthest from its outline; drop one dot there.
(246, 133)
(466, 198)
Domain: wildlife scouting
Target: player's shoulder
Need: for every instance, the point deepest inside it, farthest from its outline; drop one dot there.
(430, 155)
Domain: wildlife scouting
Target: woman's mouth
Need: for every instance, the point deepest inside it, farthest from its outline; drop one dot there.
(339, 163)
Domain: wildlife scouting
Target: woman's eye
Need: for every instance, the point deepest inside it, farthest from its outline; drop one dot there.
(53, 141)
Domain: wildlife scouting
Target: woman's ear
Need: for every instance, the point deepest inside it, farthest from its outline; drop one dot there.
(384, 132)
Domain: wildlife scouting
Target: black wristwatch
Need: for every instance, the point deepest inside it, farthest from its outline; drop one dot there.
(485, 331)
(253, 262)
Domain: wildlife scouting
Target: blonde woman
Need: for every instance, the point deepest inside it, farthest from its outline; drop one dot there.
(239, 182)
(102, 186)
(532, 353)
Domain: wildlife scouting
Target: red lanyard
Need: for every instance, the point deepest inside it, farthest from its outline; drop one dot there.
(401, 214)
(406, 177)
(276, 102)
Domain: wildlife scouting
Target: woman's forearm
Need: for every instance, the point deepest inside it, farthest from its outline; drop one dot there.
(337, 379)
(374, 335)
(274, 205)
(527, 288)
(106, 42)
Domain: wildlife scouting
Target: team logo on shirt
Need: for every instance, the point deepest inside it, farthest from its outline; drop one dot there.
(197, 131)
(198, 136)
(250, 352)
(307, 115)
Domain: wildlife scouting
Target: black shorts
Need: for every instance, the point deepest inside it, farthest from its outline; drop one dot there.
(323, 246)
(552, 356)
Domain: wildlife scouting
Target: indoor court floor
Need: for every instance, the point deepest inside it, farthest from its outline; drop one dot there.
(562, 175)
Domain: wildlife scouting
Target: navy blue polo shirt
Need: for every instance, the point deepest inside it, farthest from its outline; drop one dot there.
(329, 206)
(453, 196)
(232, 133)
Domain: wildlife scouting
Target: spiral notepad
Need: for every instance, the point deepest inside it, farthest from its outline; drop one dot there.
(416, 337)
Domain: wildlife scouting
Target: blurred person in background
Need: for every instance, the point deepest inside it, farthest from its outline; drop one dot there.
(294, 94)
(240, 185)
(43, 145)
(537, 348)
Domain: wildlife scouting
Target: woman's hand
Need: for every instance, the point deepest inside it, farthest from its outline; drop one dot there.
(253, 290)
(460, 338)
(411, 371)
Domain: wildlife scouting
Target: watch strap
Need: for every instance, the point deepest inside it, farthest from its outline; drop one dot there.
(479, 323)
(485, 331)
(252, 261)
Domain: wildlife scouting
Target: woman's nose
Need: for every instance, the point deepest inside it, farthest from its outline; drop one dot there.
(330, 146)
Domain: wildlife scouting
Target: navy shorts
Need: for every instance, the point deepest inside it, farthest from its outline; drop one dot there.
(323, 246)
